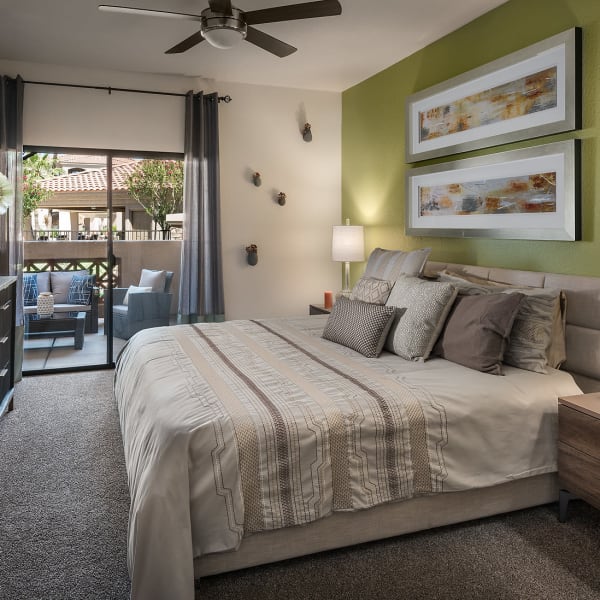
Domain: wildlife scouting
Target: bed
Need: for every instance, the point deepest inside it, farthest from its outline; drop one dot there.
(249, 442)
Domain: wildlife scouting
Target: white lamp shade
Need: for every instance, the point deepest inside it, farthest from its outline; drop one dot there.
(348, 243)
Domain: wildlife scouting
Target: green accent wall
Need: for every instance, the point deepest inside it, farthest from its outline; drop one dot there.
(373, 129)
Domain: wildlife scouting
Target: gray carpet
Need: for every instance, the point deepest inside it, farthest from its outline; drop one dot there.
(63, 521)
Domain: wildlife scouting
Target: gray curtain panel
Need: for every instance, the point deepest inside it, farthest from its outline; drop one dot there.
(201, 281)
(11, 224)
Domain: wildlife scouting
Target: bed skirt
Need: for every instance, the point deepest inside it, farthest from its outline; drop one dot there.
(388, 520)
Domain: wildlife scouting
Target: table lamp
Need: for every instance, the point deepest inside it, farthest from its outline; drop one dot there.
(348, 245)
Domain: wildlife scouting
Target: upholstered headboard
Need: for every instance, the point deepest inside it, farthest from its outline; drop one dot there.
(583, 313)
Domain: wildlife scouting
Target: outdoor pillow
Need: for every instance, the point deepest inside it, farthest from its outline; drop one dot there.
(155, 279)
(134, 289)
(60, 282)
(30, 289)
(80, 290)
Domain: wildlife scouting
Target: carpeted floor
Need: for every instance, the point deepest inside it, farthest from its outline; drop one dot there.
(63, 523)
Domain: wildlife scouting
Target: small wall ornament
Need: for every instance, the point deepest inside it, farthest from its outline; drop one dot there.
(307, 133)
(281, 198)
(252, 254)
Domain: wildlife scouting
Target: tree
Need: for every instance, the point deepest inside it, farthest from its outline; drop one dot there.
(35, 168)
(158, 186)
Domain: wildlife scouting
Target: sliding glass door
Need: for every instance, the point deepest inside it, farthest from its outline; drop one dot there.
(95, 231)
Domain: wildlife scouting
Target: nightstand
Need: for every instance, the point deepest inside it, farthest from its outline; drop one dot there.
(578, 450)
(318, 309)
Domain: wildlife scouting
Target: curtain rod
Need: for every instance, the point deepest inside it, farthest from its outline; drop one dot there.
(111, 89)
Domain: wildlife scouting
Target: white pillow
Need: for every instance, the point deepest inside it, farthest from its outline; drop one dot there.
(135, 289)
(155, 279)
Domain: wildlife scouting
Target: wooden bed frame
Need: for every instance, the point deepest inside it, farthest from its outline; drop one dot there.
(346, 529)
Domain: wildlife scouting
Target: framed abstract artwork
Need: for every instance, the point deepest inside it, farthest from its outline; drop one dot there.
(529, 93)
(530, 193)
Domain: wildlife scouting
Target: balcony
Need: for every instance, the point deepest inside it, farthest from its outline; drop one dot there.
(68, 254)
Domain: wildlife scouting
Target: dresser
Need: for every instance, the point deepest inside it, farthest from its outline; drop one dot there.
(579, 450)
(7, 342)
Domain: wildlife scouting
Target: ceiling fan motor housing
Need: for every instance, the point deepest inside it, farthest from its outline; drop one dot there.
(223, 31)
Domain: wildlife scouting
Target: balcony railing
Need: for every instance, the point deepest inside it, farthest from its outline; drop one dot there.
(138, 235)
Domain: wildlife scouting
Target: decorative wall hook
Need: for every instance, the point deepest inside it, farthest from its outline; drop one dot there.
(306, 133)
(281, 197)
(252, 254)
(256, 179)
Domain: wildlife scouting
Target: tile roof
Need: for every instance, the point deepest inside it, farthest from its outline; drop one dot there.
(91, 180)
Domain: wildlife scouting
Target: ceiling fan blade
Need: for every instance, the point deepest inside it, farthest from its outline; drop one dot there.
(148, 12)
(220, 6)
(269, 43)
(188, 43)
(292, 12)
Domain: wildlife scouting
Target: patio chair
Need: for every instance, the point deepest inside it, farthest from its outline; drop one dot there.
(143, 306)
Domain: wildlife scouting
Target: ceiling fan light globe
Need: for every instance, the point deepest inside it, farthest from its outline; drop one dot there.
(222, 31)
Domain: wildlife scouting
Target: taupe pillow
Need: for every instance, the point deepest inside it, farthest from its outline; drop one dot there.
(359, 325)
(421, 311)
(390, 264)
(371, 289)
(477, 330)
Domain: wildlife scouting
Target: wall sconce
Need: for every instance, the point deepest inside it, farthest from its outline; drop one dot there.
(252, 254)
(281, 197)
(306, 133)
(256, 179)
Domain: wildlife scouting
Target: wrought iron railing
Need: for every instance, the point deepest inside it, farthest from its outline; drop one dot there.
(137, 235)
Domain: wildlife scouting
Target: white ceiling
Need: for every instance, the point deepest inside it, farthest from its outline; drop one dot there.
(333, 54)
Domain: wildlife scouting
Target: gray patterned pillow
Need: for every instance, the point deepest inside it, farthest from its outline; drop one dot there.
(422, 308)
(371, 289)
(390, 264)
(359, 325)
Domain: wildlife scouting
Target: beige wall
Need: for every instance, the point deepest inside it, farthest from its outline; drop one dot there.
(259, 131)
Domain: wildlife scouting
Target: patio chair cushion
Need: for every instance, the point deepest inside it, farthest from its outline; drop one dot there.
(155, 279)
(60, 282)
(135, 289)
(80, 289)
(43, 281)
(30, 289)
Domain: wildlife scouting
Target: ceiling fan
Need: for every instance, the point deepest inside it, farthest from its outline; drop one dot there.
(223, 25)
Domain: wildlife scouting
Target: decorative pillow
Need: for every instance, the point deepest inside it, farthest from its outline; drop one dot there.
(30, 289)
(421, 311)
(155, 279)
(43, 281)
(531, 335)
(477, 330)
(359, 325)
(371, 289)
(134, 289)
(60, 282)
(537, 337)
(80, 290)
(390, 264)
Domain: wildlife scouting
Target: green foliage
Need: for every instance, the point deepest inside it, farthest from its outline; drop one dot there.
(158, 186)
(35, 168)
